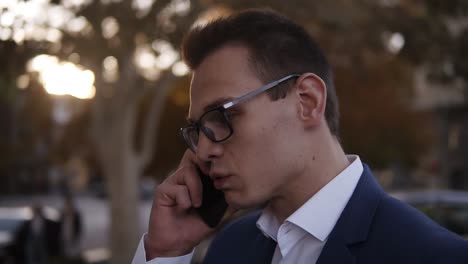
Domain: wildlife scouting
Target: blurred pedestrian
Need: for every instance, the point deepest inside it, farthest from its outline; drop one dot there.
(71, 230)
(36, 238)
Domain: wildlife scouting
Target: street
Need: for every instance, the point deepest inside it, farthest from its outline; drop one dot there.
(94, 211)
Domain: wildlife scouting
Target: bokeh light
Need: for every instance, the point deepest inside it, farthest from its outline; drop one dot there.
(63, 78)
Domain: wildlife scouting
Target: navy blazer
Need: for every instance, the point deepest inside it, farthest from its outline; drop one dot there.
(373, 228)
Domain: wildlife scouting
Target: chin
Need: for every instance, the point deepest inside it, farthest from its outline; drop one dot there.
(242, 201)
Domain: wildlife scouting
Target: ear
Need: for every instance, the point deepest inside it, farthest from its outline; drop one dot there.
(311, 93)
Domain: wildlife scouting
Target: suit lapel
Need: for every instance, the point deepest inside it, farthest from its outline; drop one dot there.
(245, 244)
(262, 250)
(354, 223)
(335, 252)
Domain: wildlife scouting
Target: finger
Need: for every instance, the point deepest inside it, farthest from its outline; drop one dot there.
(175, 196)
(191, 159)
(194, 185)
(188, 176)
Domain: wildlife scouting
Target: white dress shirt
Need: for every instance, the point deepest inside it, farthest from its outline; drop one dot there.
(301, 237)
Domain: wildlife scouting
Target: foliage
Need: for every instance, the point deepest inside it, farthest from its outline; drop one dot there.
(130, 47)
(375, 80)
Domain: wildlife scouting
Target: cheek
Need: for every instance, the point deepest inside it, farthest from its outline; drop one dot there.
(259, 146)
(258, 178)
(259, 152)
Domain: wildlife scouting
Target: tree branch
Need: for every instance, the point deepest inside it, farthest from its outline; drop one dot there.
(153, 118)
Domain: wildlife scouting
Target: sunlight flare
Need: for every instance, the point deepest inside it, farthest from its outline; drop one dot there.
(62, 77)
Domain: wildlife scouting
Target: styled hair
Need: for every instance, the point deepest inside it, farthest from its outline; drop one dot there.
(276, 45)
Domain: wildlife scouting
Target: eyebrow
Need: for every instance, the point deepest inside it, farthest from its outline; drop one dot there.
(216, 103)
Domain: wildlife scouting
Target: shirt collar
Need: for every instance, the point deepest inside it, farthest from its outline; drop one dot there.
(320, 213)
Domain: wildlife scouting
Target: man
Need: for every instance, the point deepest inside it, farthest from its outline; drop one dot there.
(71, 229)
(39, 241)
(264, 126)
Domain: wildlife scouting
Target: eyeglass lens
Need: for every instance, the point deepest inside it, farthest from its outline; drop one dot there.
(213, 124)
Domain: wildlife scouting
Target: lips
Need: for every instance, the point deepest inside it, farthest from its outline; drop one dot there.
(219, 180)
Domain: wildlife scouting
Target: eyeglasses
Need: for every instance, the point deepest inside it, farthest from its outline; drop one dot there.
(216, 123)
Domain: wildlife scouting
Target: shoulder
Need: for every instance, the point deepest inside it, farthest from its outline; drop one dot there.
(406, 229)
(401, 216)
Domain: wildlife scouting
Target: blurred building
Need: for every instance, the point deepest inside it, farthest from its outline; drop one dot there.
(453, 123)
(446, 100)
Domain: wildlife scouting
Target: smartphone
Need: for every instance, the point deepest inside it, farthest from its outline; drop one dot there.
(213, 204)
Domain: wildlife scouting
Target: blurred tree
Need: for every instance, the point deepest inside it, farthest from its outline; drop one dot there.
(7, 156)
(169, 146)
(24, 116)
(131, 48)
(377, 119)
(427, 32)
(376, 47)
(135, 43)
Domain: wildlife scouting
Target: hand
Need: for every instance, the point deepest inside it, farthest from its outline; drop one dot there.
(175, 228)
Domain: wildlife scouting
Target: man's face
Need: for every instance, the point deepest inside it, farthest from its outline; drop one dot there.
(258, 161)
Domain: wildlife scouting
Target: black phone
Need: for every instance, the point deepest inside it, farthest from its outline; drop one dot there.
(213, 204)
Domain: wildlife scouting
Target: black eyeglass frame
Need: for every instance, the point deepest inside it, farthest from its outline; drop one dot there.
(223, 108)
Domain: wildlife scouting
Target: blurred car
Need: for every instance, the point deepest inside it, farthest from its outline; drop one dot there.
(449, 208)
(14, 228)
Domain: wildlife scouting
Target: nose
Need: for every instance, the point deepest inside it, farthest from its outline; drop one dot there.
(208, 150)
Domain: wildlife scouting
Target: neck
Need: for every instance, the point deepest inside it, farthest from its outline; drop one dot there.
(322, 164)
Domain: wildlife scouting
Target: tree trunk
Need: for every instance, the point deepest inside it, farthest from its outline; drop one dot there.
(114, 124)
(122, 175)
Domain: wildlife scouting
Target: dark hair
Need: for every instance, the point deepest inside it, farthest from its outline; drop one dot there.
(277, 47)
